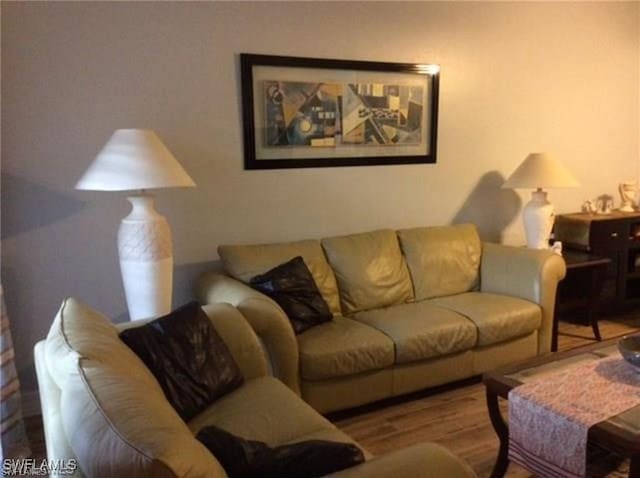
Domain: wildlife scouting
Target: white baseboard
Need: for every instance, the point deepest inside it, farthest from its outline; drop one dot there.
(31, 404)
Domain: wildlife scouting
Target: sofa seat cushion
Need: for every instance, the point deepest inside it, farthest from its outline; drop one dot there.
(243, 262)
(497, 317)
(342, 347)
(422, 330)
(370, 270)
(266, 410)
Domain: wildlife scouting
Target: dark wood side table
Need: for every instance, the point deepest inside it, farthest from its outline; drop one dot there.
(594, 267)
(616, 236)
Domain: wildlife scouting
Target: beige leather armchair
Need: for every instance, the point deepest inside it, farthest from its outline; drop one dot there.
(102, 407)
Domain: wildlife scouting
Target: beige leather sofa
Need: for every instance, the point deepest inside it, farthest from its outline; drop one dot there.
(412, 309)
(102, 407)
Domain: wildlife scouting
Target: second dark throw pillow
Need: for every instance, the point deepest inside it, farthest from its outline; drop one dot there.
(188, 358)
(292, 287)
(243, 458)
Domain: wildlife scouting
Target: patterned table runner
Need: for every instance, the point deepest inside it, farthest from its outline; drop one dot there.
(549, 417)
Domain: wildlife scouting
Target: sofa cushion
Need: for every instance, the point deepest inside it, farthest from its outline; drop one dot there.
(243, 262)
(442, 260)
(370, 270)
(266, 410)
(422, 330)
(342, 347)
(114, 413)
(187, 357)
(292, 287)
(497, 317)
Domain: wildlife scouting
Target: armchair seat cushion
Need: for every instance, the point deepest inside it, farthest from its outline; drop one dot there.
(343, 347)
(422, 330)
(497, 317)
(266, 410)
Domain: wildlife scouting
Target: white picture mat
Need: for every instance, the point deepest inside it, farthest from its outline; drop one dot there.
(262, 73)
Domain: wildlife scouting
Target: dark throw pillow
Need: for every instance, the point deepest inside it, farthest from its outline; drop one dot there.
(188, 358)
(292, 287)
(242, 458)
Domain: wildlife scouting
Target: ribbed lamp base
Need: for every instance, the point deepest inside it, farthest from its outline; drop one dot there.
(146, 260)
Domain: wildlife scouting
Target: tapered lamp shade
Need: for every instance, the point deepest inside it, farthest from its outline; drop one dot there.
(537, 171)
(541, 170)
(136, 159)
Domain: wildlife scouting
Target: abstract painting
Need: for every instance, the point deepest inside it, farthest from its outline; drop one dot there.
(304, 112)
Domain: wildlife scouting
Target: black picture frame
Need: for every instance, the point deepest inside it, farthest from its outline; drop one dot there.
(289, 101)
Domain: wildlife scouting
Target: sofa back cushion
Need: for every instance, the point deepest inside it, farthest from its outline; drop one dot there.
(442, 260)
(243, 262)
(370, 270)
(114, 413)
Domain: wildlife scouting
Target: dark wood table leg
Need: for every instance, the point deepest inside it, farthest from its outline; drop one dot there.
(500, 426)
(554, 326)
(634, 467)
(597, 279)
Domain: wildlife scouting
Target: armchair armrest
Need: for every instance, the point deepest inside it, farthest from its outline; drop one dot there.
(423, 460)
(242, 341)
(530, 274)
(266, 318)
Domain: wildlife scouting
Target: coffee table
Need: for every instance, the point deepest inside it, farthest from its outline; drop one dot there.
(619, 434)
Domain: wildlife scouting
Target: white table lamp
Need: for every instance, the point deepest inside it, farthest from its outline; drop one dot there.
(136, 160)
(537, 171)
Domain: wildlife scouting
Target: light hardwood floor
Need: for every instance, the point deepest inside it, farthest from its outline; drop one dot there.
(455, 417)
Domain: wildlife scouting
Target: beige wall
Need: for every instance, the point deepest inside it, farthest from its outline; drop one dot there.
(516, 78)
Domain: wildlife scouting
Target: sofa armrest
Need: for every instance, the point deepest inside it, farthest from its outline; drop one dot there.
(58, 447)
(530, 274)
(242, 341)
(423, 460)
(266, 318)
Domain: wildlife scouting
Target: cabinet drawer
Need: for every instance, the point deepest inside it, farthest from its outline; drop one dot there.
(608, 235)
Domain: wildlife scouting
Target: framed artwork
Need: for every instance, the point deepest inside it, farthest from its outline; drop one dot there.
(308, 112)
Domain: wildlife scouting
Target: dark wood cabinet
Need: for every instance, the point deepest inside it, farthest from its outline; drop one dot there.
(615, 236)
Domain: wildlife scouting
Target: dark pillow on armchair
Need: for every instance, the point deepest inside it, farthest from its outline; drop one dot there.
(188, 358)
(242, 458)
(292, 287)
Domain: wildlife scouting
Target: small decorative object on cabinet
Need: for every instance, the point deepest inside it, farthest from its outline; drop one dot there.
(588, 207)
(604, 204)
(627, 195)
(616, 236)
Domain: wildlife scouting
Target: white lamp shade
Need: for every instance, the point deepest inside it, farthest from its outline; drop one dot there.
(541, 170)
(134, 159)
